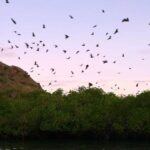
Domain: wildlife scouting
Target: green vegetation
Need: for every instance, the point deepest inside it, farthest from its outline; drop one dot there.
(83, 113)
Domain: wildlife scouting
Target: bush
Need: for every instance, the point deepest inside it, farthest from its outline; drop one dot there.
(89, 112)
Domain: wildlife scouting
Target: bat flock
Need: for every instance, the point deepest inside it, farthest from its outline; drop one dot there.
(41, 43)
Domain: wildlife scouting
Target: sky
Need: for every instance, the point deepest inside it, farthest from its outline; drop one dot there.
(132, 40)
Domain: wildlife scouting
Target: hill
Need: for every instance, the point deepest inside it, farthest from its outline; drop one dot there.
(15, 79)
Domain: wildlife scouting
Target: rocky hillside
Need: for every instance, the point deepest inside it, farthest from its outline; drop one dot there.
(13, 78)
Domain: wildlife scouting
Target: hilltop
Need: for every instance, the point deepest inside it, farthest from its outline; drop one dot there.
(15, 79)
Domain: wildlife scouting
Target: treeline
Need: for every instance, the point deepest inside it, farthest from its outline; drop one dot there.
(83, 113)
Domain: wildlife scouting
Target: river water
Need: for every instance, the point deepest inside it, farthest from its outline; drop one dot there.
(73, 145)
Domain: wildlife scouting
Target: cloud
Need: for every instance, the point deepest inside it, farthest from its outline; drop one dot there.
(144, 51)
(7, 53)
(10, 54)
(142, 81)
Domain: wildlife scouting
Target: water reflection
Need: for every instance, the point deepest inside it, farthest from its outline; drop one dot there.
(73, 145)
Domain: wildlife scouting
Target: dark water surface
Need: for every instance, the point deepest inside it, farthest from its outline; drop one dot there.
(73, 145)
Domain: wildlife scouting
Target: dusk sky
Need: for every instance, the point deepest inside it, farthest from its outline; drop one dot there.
(132, 40)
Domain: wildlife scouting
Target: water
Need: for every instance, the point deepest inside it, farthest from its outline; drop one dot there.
(73, 145)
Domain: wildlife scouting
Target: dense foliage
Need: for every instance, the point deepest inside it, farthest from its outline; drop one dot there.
(83, 113)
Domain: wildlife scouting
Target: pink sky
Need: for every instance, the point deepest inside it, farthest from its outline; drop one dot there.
(132, 40)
